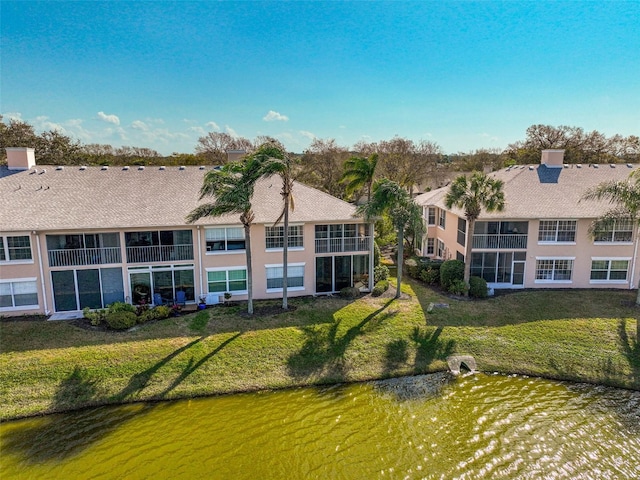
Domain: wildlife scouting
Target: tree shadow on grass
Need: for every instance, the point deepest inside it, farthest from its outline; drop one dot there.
(430, 347)
(56, 437)
(325, 350)
(631, 350)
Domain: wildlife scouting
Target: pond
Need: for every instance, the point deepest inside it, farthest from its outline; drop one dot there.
(432, 426)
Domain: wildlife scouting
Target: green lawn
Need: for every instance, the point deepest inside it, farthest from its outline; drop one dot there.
(573, 335)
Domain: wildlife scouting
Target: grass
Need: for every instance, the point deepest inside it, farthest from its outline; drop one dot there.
(574, 335)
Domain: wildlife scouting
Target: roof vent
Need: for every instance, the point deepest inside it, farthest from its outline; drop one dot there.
(595, 165)
(566, 165)
(141, 167)
(83, 167)
(35, 170)
(521, 167)
(530, 167)
(43, 171)
(125, 168)
(59, 167)
(182, 167)
(612, 165)
(629, 165)
(162, 168)
(104, 167)
(578, 165)
(201, 167)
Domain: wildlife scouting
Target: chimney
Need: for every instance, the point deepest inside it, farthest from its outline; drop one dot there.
(21, 158)
(233, 155)
(552, 158)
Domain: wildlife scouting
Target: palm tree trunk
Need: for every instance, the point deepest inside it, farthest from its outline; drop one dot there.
(285, 253)
(471, 222)
(247, 235)
(400, 260)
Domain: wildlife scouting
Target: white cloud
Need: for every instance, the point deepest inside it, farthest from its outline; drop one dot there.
(43, 123)
(199, 130)
(139, 125)
(109, 118)
(17, 116)
(212, 125)
(309, 135)
(231, 131)
(273, 116)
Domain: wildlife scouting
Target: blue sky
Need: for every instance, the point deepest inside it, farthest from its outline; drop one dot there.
(463, 74)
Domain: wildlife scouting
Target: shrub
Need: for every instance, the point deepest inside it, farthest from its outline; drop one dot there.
(121, 307)
(96, 318)
(381, 272)
(376, 254)
(381, 287)
(350, 292)
(458, 287)
(121, 320)
(450, 271)
(478, 287)
(430, 276)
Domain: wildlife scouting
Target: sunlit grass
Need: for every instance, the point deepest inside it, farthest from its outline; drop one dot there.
(576, 335)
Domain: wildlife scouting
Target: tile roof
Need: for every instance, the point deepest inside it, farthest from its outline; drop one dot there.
(538, 191)
(87, 198)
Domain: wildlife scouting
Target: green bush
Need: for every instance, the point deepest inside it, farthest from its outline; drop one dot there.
(381, 287)
(121, 320)
(381, 272)
(156, 313)
(96, 318)
(121, 307)
(458, 287)
(376, 254)
(450, 271)
(430, 276)
(350, 292)
(478, 287)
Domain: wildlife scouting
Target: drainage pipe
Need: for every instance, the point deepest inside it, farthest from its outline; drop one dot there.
(44, 293)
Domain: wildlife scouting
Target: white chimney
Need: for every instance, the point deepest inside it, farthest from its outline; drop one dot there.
(552, 158)
(21, 158)
(234, 155)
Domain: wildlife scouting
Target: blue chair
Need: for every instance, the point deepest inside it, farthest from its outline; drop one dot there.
(181, 298)
(157, 299)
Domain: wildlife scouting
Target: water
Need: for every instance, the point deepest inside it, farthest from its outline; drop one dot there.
(474, 427)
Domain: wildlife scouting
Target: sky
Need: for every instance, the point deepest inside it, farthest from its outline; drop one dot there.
(465, 75)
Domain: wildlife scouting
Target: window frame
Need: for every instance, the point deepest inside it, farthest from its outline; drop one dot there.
(6, 249)
(555, 269)
(431, 246)
(441, 249)
(431, 216)
(226, 240)
(608, 270)
(557, 231)
(228, 280)
(295, 237)
(12, 293)
(442, 218)
(290, 266)
(613, 231)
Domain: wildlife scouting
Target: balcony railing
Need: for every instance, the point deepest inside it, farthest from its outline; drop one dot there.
(349, 244)
(84, 256)
(159, 253)
(491, 241)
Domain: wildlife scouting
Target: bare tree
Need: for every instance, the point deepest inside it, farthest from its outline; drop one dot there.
(214, 145)
(322, 165)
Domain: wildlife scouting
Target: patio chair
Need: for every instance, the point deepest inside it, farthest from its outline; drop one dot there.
(157, 299)
(181, 298)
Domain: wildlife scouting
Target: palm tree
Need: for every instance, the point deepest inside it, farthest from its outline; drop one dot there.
(624, 195)
(473, 195)
(275, 161)
(232, 188)
(390, 198)
(359, 172)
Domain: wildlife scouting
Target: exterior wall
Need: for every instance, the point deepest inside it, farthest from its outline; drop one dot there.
(448, 235)
(23, 270)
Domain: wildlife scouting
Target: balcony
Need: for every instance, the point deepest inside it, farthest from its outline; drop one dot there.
(84, 256)
(159, 253)
(496, 241)
(349, 244)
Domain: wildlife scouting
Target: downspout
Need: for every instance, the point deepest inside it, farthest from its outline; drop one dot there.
(200, 260)
(371, 255)
(635, 258)
(44, 293)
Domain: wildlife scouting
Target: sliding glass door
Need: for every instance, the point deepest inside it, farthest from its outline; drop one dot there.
(93, 288)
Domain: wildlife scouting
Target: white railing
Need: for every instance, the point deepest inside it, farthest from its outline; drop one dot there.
(509, 241)
(159, 253)
(84, 256)
(349, 244)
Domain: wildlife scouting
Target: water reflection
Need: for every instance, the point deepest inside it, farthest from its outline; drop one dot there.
(436, 426)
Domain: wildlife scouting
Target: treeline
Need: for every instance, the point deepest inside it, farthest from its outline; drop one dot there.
(417, 166)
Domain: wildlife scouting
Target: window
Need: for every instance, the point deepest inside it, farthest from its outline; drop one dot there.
(609, 270)
(431, 246)
(442, 218)
(557, 231)
(431, 215)
(232, 280)
(440, 249)
(460, 256)
(295, 277)
(462, 231)
(18, 294)
(619, 231)
(554, 270)
(275, 236)
(223, 239)
(15, 248)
